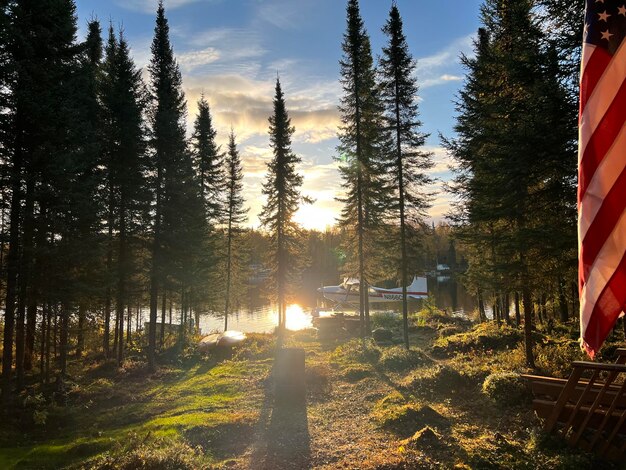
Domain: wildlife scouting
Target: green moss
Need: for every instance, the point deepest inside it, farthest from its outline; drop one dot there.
(483, 337)
(356, 351)
(506, 388)
(398, 358)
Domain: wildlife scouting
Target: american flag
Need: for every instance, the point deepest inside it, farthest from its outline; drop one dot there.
(602, 172)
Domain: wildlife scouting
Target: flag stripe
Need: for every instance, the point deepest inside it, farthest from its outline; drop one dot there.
(599, 102)
(609, 305)
(602, 228)
(600, 184)
(604, 266)
(602, 140)
(594, 62)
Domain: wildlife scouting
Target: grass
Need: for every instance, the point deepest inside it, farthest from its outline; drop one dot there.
(449, 402)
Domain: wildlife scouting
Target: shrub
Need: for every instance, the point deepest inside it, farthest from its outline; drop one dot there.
(398, 358)
(506, 388)
(556, 359)
(483, 337)
(388, 320)
(439, 379)
(357, 350)
(255, 346)
(394, 413)
(157, 454)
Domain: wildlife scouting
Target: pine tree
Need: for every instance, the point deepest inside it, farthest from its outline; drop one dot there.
(208, 162)
(45, 159)
(89, 137)
(107, 93)
(235, 215)
(515, 177)
(363, 143)
(399, 92)
(124, 99)
(169, 144)
(282, 190)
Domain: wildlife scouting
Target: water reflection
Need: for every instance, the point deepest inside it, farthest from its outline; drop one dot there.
(259, 316)
(259, 319)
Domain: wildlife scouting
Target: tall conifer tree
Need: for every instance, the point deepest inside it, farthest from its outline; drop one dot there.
(363, 142)
(169, 144)
(208, 162)
(124, 100)
(282, 190)
(235, 215)
(407, 168)
(511, 169)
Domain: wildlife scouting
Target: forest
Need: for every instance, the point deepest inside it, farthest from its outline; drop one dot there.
(120, 228)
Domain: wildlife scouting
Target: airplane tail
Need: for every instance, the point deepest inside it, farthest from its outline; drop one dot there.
(418, 285)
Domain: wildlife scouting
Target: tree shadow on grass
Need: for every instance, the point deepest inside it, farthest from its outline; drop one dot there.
(283, 440)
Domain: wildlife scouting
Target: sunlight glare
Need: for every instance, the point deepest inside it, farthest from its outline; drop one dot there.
(311, 217)
(297, 319)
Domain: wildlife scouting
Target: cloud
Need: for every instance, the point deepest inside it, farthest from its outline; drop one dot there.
(283, 14)
(190, 61)
(246, 104)
(441, 161)
(440, 68)
(150, 6)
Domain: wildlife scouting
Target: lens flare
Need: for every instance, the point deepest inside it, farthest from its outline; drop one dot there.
(297, 319)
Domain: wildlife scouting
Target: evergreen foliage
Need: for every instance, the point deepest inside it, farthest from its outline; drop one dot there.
(407, 168)
(168, 142)
(208, 162)
(282, 191)
(362, 153)
(516, 162)
(235, 216)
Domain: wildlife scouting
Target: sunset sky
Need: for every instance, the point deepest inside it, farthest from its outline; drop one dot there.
(232, 50)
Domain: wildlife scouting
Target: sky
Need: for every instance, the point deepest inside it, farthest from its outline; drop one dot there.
(232, 51)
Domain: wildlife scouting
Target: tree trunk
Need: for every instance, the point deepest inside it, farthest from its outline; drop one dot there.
(63, 339)
(482, 315)
(528, 327)
(163, 308)
(82, 313)
(228, 270)
(31, 326)
(505, 309)
(24, 278)
(562, 303)
(518, 316)
(42, 344)
(48, 334)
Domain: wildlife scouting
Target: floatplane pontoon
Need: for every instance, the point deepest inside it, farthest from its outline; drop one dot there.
(347, 293)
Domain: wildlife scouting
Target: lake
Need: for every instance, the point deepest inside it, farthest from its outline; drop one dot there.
(449, 295)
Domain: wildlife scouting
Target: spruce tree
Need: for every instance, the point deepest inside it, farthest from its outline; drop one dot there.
(169, 145)
(407, 168)
(235, 215)
(124, 100)
(107, 91)
(514, 176)
(208, 162)
(363, 143)
(88, 134)
(282, 190)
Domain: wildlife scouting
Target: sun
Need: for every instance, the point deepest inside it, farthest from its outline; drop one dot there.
(297, 319)
(311, 217)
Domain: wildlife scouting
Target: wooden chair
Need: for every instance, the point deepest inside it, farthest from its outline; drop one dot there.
(589, 408)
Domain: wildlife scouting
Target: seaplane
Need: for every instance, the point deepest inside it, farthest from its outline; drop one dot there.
(347, 293)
